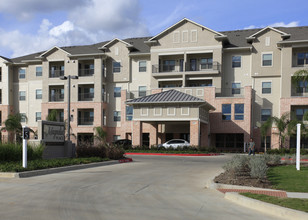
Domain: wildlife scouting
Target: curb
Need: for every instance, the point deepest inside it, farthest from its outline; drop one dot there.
(61, 169)
(264, 207)
(166, 154)
(301, 160)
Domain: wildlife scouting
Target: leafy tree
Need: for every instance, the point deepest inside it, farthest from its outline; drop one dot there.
(100, 134)
(13, 124)
(300, 76)
(52, 116)
(264, 129)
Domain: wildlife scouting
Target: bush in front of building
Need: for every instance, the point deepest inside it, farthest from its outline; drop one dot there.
(13, 152)
(284, 151)
(87, 149)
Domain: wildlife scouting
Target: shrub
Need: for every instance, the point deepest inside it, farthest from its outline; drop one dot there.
(86, 149)
(114, 152)
(272, 159)
(237, 163)
(13, 152)
(258, 167)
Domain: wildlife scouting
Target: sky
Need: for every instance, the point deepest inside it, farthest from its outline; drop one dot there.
(29, 26)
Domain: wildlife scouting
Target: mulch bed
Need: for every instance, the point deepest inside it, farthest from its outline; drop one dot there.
(242, 178)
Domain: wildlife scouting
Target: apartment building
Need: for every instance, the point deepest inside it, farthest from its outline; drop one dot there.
(191, 82)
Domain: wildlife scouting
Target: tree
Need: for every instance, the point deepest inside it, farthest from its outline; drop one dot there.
(100, 134)
(52, 116)
(299, 76)
(13, 124)
(286, 126)
(264, 129)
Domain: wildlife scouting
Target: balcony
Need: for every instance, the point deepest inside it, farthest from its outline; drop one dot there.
(56, 73)
(56, 94)
(56, 69)
(89, 96)
(229, 92)
(85, 117)
(300, 91)
(85, 72)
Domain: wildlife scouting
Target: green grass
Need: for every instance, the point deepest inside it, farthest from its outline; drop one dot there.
(298, 204)
(16, 166)
(288, 178)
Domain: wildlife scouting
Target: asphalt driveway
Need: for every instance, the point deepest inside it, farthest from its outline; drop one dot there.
(152, 187)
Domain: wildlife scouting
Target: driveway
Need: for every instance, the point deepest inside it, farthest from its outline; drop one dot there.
(152, 187)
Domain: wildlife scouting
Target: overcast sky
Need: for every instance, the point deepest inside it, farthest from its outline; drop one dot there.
(36, 25)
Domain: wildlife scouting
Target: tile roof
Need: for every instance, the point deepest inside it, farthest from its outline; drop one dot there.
(170, 96)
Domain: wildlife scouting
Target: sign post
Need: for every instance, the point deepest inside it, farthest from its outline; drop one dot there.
(298, 144)
(26, 136)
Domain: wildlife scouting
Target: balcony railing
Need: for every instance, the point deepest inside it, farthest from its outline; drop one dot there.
(137, 94)
(86, 96)
(299, 92)
(56, 98)
(85, 72)
(229, 92)
(188, 68)
(85, 120)
(56, 73)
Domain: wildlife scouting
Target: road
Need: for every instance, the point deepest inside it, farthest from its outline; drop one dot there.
(152, 187)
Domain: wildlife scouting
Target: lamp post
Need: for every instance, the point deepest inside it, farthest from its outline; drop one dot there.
(69, 77)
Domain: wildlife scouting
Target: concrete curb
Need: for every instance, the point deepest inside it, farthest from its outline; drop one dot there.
(264, 207)
(61, 169)
(173, 154)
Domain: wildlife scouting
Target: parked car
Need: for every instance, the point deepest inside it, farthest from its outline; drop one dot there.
(174, 143)
(125, 143)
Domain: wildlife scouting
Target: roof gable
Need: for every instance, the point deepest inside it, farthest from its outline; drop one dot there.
(52, 49)
(265, 29)
(181, 22)
(112, 41)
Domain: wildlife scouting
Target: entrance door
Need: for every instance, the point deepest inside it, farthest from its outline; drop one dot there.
(145, 139)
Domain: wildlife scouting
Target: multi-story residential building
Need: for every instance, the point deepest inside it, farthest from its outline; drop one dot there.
(211, 88)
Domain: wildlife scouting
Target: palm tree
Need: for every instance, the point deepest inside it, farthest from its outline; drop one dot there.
(13, 124)
(264, 129)
(286, 126)
(300, 76)
(100, 134)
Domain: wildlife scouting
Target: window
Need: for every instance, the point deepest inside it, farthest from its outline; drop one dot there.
(184, 110)
(176, 37)
(22, 95)
(300, 113)
(226, 112)
(267, 59)
(37, 116)
(185, 36)
(116, 67)
(22, 73)
(193, 36)
(0, 74)
(129, 113)
(236, 61)
(117, 92)
(38, 94)
(238, 111)
(302, 86)
(142, 66)
(302, 59)
(23, 117)
(206, 63)
(116, 116)
(171, 111)
(266, 87)
(142, 91)
(144, 111)
(116, 137)
(265, 114)
(38, 71)
(168, 65)
(157, 111)
(236, 88)
(267, 41)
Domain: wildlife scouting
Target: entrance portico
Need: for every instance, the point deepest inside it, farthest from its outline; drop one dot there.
(171, 114)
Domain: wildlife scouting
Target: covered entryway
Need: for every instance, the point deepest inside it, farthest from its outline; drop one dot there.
(170, 114)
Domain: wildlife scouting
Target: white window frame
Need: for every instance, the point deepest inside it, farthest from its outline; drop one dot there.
(159, 113)
(37, 94)
(263, 53)
(116, 51)
(23, 96)
(267, 81)
(36, 116)
(188, 91)
(268, 41)
(37, 72)
(236, 88)
(185, 32)
(117, 67)
(19, 73)
(139, 66)
(191, 35)
(182, 108)
(169, 113)
(240, 62)
(200, 92)
(146, 113)
(174, 37)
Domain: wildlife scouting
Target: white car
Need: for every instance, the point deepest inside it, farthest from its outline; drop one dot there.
(174, 143)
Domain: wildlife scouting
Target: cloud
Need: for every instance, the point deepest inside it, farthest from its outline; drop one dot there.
(25, 10)
(277, 24)
(62, 29)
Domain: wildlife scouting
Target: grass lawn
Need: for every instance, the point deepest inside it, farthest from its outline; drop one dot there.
(298, 204)
(288, 178)
(16, 166)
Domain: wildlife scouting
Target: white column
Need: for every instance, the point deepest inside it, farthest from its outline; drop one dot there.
(298, 144)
